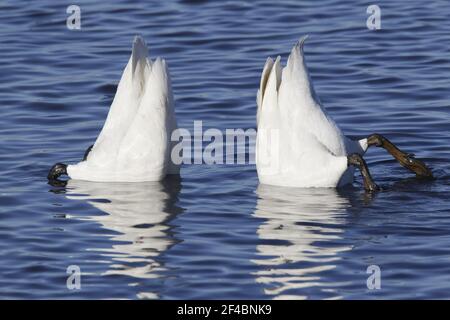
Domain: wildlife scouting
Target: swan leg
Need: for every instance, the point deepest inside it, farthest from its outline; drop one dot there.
(357, 160)
(86, 153)
(407, 160)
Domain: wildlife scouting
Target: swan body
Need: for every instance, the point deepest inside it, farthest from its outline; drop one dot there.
(298, 144)
(134, 144)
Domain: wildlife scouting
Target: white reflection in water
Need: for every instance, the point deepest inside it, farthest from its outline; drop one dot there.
(302, 221)
(139, 213)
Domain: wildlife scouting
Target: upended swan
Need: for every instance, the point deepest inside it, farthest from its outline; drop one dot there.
(134, 144)
(298, 144)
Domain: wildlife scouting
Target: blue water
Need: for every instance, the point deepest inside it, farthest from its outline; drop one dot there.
(216, 233)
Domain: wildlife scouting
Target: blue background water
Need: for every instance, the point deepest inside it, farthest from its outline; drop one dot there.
(216, 233)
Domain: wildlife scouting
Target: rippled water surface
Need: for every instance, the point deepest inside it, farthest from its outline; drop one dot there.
(215, 232)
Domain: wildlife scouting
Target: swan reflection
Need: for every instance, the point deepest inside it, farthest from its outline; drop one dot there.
(301, 236)
(139, 214)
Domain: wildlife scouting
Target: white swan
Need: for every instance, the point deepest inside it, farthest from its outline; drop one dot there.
(134, 144)
(298, 144)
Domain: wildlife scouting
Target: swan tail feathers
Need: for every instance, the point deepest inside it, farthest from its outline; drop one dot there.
(295, 62)
(297, 73)
(159, 83)
(273, 79)
(139, 53)
(140, 64)
(262, 86)
(301, 42)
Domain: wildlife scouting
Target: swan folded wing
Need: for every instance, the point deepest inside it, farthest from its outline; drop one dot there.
(145, 149)
(268, 111)
(133, 144)
(300, 107)
(123, 108)
(289, 154)
(171, 121)
(308, 162)
(262, 87)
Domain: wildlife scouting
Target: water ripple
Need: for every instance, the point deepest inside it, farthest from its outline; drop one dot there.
(216, 233)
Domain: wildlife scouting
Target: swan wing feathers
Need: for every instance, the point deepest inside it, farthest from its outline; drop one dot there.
(134, 144)
(287, 95)
(124, 106)
(311, 149)
(318, 166)
(146, 144)
(296, 158)
(262, 87)
(268, 110)
(300, 107)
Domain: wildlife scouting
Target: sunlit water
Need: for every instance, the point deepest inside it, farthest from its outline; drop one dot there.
(216, 233)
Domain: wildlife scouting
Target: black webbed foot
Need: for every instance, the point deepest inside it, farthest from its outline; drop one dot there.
(56, 171)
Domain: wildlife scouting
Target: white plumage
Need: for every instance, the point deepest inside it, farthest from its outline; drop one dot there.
(134, 144)
(298, 144)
